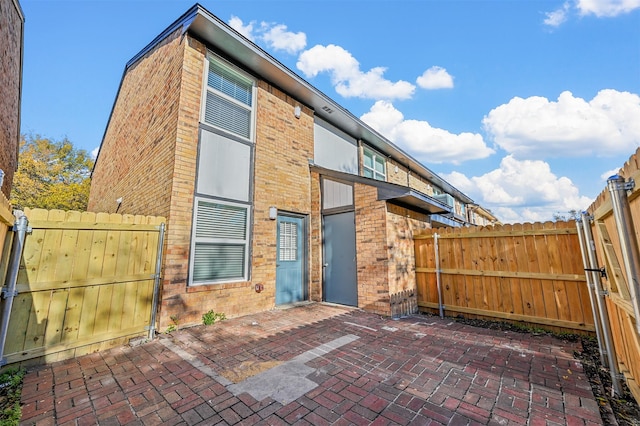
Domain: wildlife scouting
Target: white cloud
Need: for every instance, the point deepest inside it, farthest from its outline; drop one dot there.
(274, 36)
(558, 16)
(606, 8)
(246, 30)
(435, 78)
(535, 127)
(426, 143)
(521, 191)
(606, 175)
(347, 77)
(94, 152)
(278, 38)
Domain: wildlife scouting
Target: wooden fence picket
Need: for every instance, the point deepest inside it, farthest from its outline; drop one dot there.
(85, 284)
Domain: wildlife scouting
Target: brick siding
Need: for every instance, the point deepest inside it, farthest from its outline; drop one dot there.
(371, 248)
(11, 31)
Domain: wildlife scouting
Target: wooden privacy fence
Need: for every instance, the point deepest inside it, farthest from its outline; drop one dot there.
(85, 283)
(610, 254)
(531, 273)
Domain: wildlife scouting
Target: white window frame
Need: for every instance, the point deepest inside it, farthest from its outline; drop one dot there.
(208, 89)
(195, 240)
(374, 155)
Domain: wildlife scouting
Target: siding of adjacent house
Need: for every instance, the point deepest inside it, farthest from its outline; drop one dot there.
(11, 33)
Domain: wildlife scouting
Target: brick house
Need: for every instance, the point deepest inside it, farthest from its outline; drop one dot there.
(11, 50)
(273, 193)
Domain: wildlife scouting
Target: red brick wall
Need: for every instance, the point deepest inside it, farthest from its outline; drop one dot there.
(281, 179)
(402, 225)
(316, 255)
(11, 30)
(371, 249)
(136, 160)
(149, 158)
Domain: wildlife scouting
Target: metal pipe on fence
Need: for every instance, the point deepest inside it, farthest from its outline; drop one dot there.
(628, 241)
(602, 307)
(593, 288)
(438, 284)
(20, 229)
(156, 282)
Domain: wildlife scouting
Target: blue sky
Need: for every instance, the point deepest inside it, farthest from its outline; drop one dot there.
(526, 106)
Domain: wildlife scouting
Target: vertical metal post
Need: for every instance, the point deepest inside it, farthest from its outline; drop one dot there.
(439, 285)
(156, 282)
(593, 289)
(602, 307)
(20, 230)
(628, 241)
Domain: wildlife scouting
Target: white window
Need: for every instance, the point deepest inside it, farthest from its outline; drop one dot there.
(374, 165)
(288, 244)
(228, 102)
(221, 242)
(221, 221)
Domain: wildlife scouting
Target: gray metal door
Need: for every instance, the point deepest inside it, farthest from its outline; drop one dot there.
(340, 280)
(289, 259)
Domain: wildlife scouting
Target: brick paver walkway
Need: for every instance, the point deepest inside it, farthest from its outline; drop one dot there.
(356, 368)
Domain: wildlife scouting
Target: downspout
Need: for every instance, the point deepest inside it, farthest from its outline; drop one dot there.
(628, 241)
(20, 229)
(156, 282)
(599, 294)
(438, 284)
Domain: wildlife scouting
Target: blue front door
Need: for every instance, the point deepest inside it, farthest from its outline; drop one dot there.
(289, 259)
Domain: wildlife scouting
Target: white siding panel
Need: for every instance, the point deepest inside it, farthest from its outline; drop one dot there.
(334, 149)
(336, 194)
(223, 167)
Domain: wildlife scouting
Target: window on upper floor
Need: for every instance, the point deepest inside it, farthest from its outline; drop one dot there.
(374, 165)
(228, 101)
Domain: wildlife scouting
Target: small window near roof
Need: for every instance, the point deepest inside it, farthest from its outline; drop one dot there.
(374, 165)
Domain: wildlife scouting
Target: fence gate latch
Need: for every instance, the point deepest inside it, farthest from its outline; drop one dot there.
(629, 184)
(603, 271)
(6, 293)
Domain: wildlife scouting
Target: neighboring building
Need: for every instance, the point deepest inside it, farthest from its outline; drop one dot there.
(11, 49)
(273, 193)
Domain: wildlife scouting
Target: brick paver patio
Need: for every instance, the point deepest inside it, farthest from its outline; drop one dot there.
(319, 364)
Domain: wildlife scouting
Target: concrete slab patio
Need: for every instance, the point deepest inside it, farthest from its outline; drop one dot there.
(319, 364)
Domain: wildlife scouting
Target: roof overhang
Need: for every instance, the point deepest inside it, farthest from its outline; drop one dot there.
(203, 25)
(396, 194)
(440, 221)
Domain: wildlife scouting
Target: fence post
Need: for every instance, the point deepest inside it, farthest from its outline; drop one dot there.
(438, 284)
(156, 282)
(599, 293)
(628, 241)
(592, 286)
(20, 229)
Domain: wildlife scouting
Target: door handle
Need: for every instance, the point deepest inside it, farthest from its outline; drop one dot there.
(325, 265)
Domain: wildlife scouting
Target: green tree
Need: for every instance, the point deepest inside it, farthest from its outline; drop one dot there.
(51, 175)
(572, 215)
